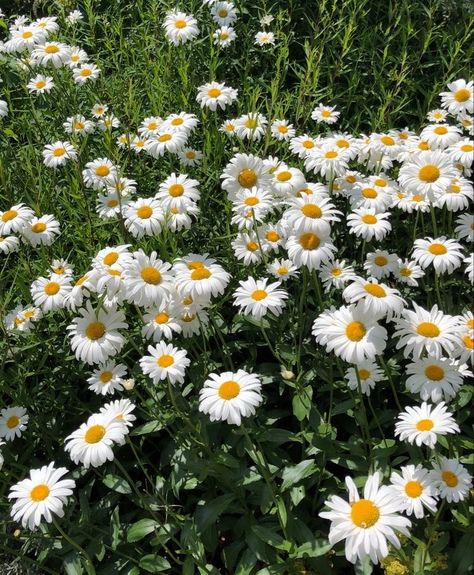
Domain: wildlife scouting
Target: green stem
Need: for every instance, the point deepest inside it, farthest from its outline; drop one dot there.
(89, 565)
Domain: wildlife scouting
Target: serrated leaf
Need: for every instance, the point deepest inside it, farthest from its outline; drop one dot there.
(141, 529)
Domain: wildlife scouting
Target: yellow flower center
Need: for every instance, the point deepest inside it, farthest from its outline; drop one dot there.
(229, 390)
(177, 121)
(283, 176)
(342, 143)
(429, 173)
(27, 35)
(200, 274)
(272, 236)
(144, 212)
(40, 84)
(112, 203)
(450, 478)
(251, 123)
(251, 201)
(165, 137)
(326, 113)
(13, 421)
(282, 271)
(94, 434)
(331, 155)
(413, 489)
(364, 513)
(427, 329)
(222, 13)
(223, 36)
(364, 374)
(259, 294)
(38, 228)
(369, 219)
(355, 330)
(440, 130)
(380, 261)
(434, 372)
(454, 188)
(425, 424)
(180, 24)
(462, 95)
(51, 288)
(39, 492)
(467, 148)
(247, 178)
(336, 272)
(9, 215)
(161, 317)
(165, 360)
(468, 342)
(190, 154)
(51, 49)
(110, 258)
(405, 272)
(282, 129)
(387, 140)
(437, 249)
(252, 246)
(312, 211)
(85, 72)
(375, 290)
(176, 190)
(369, 193)
(470, 324)
(214, 92)
(188, 317)
(309, 241)
(95, 330)
(380, 182)
(105, 377)
(102, 171)
(150, 275)
(308, 144)
(58, 152)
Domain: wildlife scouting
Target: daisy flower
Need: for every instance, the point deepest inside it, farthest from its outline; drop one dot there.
(256, 297)
(54, 53)
(92, 443)
(460, 98)
(427, 173)
(451, 479)
(302, 145)
(190, 156)
(9, 244)
(435, 379)
(243, 172)
(366, 523)
(75, 57)
(41, 496)
(99, 110)
(374, 298)
(263, 38)
(180, 27)
(422, 425)
(108, 122)
(440, 136)
(336, 273)
(107, 378)
(286, 181)
(74, 17)
(380, 264)
(407, 272)
(215, 94)
(85, 73)
(366, 195)
(445, 255)
(247, 248)
(171, 141)
(117, 256)
(119, 410)
(95, 336)
(250, 126)
(40, 84)
(41, 231)
(148, 279)
(182, 122)
(199, 276)
(178, 219)
(457, 196)
(415, 490)
(58, 153)
(51, 293)
(223, 13)
(469, 261)
(228, 128)
(282, 269)
(307, 248)
(368, 373)
(13, 421)
(437, 115)
(78, 124)
(325, 114)
(368, 224)
(282, 130)
(144, 217)
(15, 219)
(177, 190)
(160, 322)
(3, 109)
(98, 172)
(150, 126)
(110, 205)
(350, 333)
(312, 212)
(328, 160)
(230, 396)
(224, 36)
(462, 152)
(165, 362)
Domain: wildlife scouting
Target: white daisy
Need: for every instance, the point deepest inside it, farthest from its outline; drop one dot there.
(414, 489)
(148, 279)
(13, 421)
(422, 425)
(435, 379)
(367, 373)
(451, 479)
(215, 94)
(41, 231)
(165, 362)
(256, 297)
(445, 255)
(107, 378)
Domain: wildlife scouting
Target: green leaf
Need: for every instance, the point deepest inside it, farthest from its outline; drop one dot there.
(294, 474)
(141, 529)
(364, 567)
(148, 427)
(116, 483)
(270, 537)
(314, 548)
(207, 512)
(282, 511)
(154, 563)
(72, 564)
(302, 403)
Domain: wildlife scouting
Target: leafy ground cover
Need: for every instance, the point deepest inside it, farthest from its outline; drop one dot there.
(236, 287)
